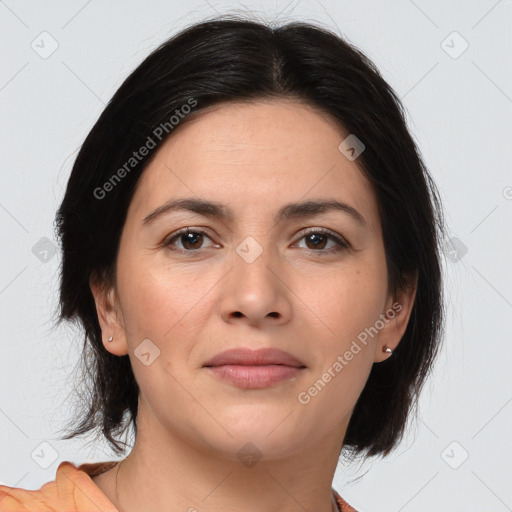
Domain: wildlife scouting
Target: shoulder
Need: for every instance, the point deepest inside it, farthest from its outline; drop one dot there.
(72, 490)
(342, 504)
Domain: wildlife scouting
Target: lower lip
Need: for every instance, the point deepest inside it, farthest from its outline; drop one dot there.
(255, 377)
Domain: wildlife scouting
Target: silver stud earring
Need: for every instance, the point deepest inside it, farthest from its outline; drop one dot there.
(111, 338)
(387, 350)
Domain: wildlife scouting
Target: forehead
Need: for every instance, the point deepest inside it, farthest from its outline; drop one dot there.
(253, 157)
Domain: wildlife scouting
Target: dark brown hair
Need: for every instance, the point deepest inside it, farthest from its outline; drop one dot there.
(233, 59)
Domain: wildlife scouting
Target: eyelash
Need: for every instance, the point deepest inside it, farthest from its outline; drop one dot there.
(341, 242)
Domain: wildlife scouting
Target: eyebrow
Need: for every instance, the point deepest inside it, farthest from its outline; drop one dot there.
(288, 211)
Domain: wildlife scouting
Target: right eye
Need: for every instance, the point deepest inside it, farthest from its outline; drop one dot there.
(190, 238)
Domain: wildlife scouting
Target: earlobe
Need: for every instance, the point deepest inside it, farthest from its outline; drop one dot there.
(109, 318)
(395, 320)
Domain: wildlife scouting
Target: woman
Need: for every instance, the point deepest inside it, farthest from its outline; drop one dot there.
(251, 243)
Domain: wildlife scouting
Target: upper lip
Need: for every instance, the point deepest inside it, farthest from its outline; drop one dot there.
(249, 357)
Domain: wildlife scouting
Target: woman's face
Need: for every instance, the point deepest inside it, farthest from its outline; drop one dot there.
(263, 275)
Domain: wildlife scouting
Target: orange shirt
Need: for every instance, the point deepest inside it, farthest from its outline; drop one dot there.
(74, 491)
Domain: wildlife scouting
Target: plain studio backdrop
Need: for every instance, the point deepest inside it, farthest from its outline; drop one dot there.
(449, 63)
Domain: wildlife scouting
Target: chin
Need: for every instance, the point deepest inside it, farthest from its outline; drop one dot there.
(268, 428)
(250, 445)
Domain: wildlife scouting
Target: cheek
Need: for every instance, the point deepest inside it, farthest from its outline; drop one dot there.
(154, 297)
(344, 350)
(342, 303)
(155, 307)
(149, 305)
(167, 306)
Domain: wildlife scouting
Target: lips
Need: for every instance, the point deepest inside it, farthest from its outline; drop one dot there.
(254, 369)
(248, 357)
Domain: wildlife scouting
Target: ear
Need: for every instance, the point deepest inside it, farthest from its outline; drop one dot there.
(109, 317)
(395, 318)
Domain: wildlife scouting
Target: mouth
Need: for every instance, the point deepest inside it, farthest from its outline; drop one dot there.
(254, 369)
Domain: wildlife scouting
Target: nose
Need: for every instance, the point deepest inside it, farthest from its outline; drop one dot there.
(255, 291)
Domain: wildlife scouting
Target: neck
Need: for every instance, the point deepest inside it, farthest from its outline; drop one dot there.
(165, 473)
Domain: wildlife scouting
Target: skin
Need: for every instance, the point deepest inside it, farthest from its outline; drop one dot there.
(311, 302)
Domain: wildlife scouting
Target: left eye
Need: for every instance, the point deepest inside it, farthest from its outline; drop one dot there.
(318, 240)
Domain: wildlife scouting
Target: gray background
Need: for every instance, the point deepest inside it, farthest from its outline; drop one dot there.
(458, 455)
